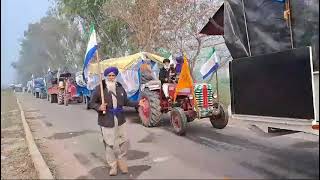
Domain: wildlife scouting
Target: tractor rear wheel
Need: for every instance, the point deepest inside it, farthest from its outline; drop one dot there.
(220, 121)
(179, 121)
(150, 113)
(60, 97)
(80, 99)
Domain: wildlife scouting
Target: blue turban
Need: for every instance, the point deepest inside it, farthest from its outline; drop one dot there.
(110, 70)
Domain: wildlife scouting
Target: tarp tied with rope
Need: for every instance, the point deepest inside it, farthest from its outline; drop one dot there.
(124, 63)
(128, 71)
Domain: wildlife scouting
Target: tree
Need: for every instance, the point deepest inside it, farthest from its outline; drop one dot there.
(173, 24)
(112, 32)
(53, 43)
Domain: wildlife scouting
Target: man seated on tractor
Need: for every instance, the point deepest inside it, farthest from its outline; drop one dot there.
(164, 76)
(172, 74)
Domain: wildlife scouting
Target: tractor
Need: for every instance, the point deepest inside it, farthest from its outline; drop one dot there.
(52, 86)
(184, 109)
(38, 88)
(68, 90)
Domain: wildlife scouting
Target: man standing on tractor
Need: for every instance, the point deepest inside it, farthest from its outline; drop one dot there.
(111, 119)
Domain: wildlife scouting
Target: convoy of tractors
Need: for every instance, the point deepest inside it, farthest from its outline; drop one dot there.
(65, 88)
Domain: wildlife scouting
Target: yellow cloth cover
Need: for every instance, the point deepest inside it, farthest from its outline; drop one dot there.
(123, 63)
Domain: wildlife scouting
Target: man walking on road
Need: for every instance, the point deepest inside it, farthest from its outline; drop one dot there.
(113, 122)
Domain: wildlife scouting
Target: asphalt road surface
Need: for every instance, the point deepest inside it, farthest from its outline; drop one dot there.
(71, 142)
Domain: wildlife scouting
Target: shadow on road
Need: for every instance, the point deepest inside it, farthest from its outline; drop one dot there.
(102, 173)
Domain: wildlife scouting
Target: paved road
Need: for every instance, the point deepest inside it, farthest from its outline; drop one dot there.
(71, 138)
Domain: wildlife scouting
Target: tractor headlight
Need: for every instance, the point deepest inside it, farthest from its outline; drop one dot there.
(215, 95)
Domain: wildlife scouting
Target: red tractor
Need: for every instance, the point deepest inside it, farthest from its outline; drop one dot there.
(185, 109)
(68, 90)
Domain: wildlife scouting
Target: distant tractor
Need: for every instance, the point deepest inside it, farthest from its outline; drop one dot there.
(68, 90)
(38, 88)
(52, 87)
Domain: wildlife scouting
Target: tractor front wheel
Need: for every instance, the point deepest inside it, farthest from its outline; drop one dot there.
(179, 121)
(87, 102)
(220, 120)
(149, 113)
(66, 100)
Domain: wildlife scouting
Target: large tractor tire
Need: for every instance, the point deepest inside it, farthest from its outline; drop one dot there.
(150, 114)
(178, 121)
(52, 98)
(60, 97)
(220, 121)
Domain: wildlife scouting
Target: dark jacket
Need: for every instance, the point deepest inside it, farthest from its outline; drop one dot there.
(107, 120)
(163, 74)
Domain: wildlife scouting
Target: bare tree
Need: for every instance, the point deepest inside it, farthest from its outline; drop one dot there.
(173, 24)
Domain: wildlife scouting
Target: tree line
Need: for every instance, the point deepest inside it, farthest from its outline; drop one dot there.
(123, 27)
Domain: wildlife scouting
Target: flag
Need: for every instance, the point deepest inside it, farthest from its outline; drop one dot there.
(211, 65)
(91, 49)
(185, 78)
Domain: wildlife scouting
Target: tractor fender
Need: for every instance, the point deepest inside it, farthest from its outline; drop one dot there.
(152, 85)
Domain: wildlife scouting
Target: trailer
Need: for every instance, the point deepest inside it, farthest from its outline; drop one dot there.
(274, 71)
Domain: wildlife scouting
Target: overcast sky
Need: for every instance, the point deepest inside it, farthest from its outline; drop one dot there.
(15, 17)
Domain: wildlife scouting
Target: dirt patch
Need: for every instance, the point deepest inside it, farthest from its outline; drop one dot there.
(16, 162)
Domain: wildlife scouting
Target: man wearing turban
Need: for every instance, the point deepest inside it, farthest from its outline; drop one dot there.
(113, 122)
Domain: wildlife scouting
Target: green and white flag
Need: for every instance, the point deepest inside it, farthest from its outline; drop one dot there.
(211, 65)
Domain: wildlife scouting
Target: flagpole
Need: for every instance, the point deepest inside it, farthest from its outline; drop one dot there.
(290, 24)
(100, 76)
(246, 26)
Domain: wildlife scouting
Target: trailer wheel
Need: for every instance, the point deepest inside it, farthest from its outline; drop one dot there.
(220, 121)
(37, 95)
(178, 121)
